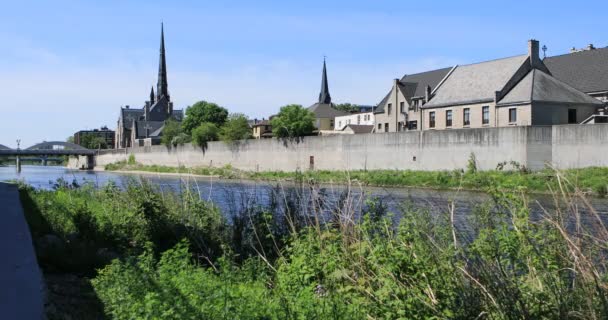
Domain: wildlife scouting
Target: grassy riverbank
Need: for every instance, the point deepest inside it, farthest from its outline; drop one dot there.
(168, 256)
(592, 181)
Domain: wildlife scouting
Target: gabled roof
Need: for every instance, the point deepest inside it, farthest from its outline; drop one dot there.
(586, 70)
(359, 128)
(476, 83)
(538, 86)
(324, 110)
(155, 128)
(414, 85)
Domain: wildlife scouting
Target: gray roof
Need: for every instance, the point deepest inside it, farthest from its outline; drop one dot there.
(324, 110)
(476, 83)
(414, 85)
(154, 128)
(359, 128)
(128, 115)
(587, 70)
(539, 86)
(429, 78)
(3, 147)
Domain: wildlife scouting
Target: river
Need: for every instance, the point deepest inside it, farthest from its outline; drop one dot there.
(230, 195)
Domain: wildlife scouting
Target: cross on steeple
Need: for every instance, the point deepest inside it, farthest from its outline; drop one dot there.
(162, 86)
(324, 96)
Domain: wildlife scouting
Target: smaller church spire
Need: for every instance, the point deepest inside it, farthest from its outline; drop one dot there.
(324, 96)
(152, 95)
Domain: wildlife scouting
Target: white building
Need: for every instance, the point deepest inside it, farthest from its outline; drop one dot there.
(363, 118)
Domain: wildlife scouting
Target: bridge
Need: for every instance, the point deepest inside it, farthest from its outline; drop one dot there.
(44, 150)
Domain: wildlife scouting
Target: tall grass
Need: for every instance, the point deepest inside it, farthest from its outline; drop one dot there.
(510, 177)
(303, 257)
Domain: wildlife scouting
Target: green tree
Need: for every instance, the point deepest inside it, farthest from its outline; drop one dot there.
(172, 129)
(90, 141)
(202, 112)
(236, 128)
(70, 139)
(293, 121)
(204, 133)
(347, 107)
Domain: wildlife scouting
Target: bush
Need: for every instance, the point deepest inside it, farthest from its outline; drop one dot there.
(204, 133)
(236, 128)
(293, 121)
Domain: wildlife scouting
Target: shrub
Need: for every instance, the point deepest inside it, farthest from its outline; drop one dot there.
(204, 133)
(236, 128)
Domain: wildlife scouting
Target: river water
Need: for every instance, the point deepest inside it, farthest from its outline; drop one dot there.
(230, 195)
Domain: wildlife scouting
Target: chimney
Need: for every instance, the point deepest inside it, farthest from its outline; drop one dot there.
(533, 53)
(427, 93)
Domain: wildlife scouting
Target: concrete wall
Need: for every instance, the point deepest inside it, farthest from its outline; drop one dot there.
(566, 146)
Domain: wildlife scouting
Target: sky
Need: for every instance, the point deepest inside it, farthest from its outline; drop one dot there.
(70, 65)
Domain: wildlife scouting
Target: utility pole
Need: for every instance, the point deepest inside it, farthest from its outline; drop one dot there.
(18, 159)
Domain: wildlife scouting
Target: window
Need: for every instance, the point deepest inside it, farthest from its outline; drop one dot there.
(401, 107)
(466, 116)
(485, 115)
(359, 119)
(379, 126)
(448, 118)
(512, 115)
(572, 116)
(413, 125)
(331, 123)
(339, 124)
(390, 106)
(399, 126)
(386, 127)
(432, 119)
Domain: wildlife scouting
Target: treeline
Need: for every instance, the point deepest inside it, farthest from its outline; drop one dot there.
(206, 121)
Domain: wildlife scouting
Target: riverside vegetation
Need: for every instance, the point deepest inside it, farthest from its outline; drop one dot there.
(174, 256)
(506, 177)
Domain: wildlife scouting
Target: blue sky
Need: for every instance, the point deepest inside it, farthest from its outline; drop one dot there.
(70, 65)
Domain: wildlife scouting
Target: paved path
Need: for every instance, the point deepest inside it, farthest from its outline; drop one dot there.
(21, 284)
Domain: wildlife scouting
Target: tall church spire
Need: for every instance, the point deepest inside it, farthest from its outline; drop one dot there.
(162, 86)
(152, 95)
(324, 96)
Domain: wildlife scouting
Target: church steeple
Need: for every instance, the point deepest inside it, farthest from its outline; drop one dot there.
(162, 86)
(152, 95)
(324, 96)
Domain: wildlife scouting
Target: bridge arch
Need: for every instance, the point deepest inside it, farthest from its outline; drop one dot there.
(48, 145)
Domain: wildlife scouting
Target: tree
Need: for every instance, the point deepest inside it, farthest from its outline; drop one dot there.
(347, 107)
(204, 133)
(70, 139)
(171, 130)
(91, 141)
(236, 128)
(293, 121)
(202, 112)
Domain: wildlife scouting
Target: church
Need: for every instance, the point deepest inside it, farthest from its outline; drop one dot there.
(140, 127)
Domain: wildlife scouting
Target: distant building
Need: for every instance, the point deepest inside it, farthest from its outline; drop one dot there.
(365, 118)
(104, 133)
(144, 126)
(261, 129)
(324, 111)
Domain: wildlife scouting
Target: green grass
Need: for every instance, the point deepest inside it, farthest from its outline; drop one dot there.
(274, 264)
(593, 180)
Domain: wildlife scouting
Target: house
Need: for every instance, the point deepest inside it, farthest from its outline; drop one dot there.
(324, 111)
(104, 133)
(585, 70)
(514, 91)
(144, 126)
(361, 118)
(400, 108)
(261, 129)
